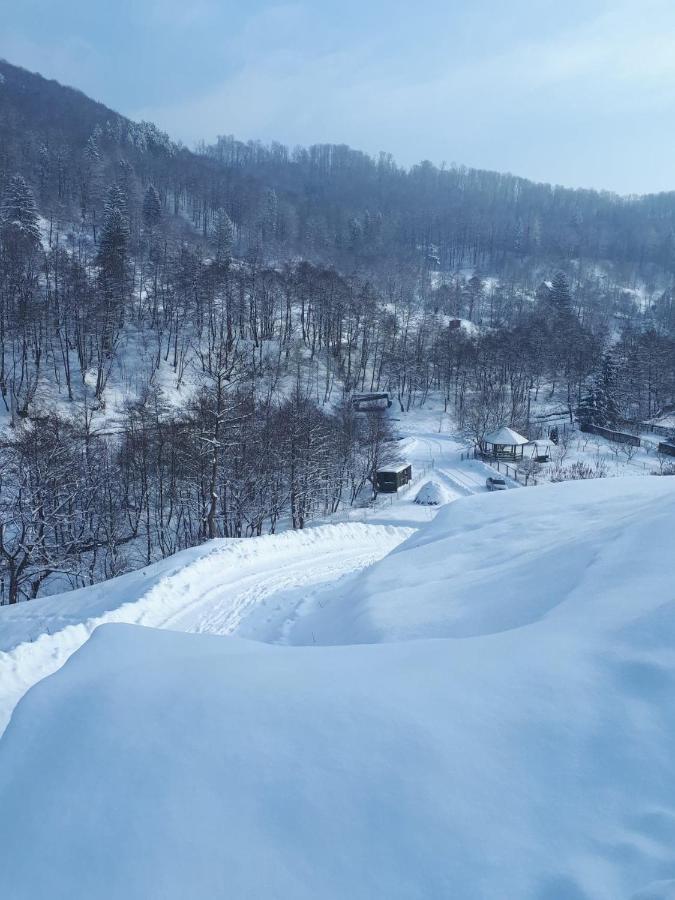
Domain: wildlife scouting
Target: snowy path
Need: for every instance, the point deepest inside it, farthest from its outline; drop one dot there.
(214, 588)
(443, 456)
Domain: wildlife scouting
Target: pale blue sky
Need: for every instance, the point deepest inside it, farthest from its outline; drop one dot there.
(580, 93)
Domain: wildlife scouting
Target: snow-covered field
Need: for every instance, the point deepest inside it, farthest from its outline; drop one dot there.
(486, 712)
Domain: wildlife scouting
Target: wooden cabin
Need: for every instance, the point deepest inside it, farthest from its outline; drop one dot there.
(390, 478)
(371, 402)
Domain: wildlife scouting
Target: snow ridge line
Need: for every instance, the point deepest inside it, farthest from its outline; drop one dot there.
(31, 661)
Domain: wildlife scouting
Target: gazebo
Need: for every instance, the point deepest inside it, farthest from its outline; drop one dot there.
(505, 443)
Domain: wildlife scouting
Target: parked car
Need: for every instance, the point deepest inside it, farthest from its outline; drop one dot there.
(492, 483)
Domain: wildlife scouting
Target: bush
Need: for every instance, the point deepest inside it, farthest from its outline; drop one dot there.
(579, 471)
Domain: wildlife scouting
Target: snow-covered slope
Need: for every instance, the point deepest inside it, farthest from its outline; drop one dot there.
(578, 554)
(496, 723)
(216, 587)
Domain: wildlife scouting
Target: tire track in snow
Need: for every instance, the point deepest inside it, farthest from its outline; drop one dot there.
(214, 593)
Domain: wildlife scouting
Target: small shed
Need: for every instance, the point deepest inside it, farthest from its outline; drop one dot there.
(505, 443)
(372, 401)
(390, 478)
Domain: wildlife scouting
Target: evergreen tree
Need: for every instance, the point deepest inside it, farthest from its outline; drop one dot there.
(112, 252)
(117, 199)
(152, 207)
(560, 296)
(588, 410)
(91, 151)
(223, 236)
(19, 218)
(608, 392)
(475, 295)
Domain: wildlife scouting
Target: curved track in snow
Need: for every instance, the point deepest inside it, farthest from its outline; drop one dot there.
(215, 590)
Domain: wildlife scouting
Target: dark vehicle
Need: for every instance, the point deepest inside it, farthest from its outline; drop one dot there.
(492, 483)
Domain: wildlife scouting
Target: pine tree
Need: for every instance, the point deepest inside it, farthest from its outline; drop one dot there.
(475, 295)
(223, 236)
(19, 218)
(117, 199)
(588, 411)
(152, 207)
(112, 251)
(608, 392)
(91, 151)
(560, 296)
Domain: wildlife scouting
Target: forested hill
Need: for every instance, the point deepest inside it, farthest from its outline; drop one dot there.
(181, 333)
(327, 203)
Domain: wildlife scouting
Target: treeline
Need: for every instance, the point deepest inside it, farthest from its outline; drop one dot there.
(78, 505)
(327, 203)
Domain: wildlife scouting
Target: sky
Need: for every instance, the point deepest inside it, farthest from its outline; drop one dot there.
(580, 93)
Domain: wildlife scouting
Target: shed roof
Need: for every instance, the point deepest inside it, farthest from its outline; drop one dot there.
(506, 437)
(395, 469)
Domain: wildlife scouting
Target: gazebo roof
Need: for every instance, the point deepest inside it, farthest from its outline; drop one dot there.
(506, 437)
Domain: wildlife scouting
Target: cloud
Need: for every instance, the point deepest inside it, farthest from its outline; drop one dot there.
(568, 93)
(296, 91)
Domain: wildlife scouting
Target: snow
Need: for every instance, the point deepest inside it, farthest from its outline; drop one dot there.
(508, 559)
(396, 468)
(215, 587)
(665, 421)
(506, 437)
(433, 493)
(480, 709)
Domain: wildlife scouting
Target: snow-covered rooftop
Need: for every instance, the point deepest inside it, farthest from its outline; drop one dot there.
(397, 467)
(506, 436)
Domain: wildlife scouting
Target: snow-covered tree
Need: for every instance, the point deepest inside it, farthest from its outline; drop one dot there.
(19, 218)
(223, 236)
(560, 296)
(117, 199)
(112, 253)
(608, 392)
(588, 410)
(152, 207)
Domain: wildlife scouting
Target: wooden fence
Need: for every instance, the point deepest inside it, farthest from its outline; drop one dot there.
(618, 437)
(538, 430)
(661, 430)
(667, 449)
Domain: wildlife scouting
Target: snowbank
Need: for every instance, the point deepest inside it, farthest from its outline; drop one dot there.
(433, 493)
(579, 550)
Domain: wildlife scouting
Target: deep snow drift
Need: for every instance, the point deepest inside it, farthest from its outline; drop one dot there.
(582, 554)
(498, 723)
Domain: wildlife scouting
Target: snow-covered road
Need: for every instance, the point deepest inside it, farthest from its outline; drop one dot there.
(214, 588)
(441, 455)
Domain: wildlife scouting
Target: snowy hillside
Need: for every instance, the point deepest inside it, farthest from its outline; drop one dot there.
(497, 721)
